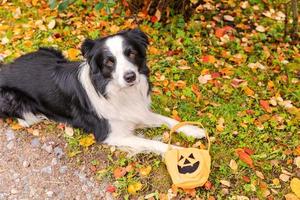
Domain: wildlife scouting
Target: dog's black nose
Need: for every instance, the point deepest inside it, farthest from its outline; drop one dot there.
(130, 76)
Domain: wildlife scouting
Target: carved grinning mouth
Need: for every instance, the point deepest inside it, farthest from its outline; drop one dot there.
(188, 169)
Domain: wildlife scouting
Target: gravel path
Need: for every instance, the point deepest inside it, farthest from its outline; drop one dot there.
(36, 168)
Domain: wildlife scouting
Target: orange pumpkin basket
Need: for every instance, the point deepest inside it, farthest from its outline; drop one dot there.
(188, 167)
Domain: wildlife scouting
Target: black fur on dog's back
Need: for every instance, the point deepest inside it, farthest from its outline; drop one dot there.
(46, 82)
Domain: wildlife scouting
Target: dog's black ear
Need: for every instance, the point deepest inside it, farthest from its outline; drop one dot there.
(139, 36)
(87, 46)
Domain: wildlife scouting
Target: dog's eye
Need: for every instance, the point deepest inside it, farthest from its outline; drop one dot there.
(132, 55)
(110, 62)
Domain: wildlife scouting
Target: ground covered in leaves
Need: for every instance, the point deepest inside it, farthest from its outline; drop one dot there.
(229, 68)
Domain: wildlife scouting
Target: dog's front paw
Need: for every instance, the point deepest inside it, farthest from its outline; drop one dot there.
(194, 131)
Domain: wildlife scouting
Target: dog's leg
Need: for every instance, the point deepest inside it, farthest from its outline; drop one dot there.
(157, 120)
(121, 135)
(30, 119)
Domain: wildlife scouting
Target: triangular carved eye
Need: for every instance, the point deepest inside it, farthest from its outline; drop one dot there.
(191, 156)
(181, 157)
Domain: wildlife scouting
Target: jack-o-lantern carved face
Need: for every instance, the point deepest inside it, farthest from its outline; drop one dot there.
(187, 164)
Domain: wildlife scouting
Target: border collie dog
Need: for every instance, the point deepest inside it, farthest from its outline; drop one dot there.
(108, 93)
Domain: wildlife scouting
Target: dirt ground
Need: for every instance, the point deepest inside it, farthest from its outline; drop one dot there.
(37, 168)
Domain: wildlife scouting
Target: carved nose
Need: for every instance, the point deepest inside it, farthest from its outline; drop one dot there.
(129, 77)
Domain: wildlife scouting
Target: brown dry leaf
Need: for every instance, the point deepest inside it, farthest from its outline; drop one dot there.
(295, 186)
(259, 174)
(153, 50)
(224, 182)
(69, 131)
(284, 177)
(119, 172)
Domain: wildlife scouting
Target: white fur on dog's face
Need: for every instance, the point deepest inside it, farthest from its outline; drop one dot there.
(116, 47)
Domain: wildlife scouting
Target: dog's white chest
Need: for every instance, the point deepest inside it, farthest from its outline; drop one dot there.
(130, 103)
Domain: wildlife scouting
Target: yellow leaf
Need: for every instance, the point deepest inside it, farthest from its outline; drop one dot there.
(248, 91)
(87, 140)
(134, 187)
(145, 171)
(73, 53)
(220, 124)
(153, 50)
(16, 126)
(295, 186)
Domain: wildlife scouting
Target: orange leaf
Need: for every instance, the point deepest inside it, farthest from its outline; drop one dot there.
(208, 59)
(196, 91)
(16, 126)
(119, 172)
(191, 192)
(220, 32)
(245, 157)
(248, 91)
(265, 105)
(208, 185)
(248, 151)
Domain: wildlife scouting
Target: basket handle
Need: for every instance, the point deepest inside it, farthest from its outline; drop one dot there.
(180, 124)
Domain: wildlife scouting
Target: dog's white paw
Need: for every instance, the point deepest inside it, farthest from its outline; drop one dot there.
(194, 131)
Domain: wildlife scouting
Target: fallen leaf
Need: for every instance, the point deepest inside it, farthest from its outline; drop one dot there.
(134, 187)
(87, 140)
(69, 131)
(284, 177)
(191, 192)
(111, 189)
(145, 171)
(224, 182)
(260, 28)
(248, 91)
(51, 24)
(204, 78)
(228, 18)
(119, 172)
(236, 82)
(208, 185)
(73, 53)
(246, 179)
(265, 105)
(245, 157)
(220, 124)
(220, 32)
(295, 186)
(248, 151)
(233, 165)
(259, 174)
(208, 59)
(276, 181)
(16, 126)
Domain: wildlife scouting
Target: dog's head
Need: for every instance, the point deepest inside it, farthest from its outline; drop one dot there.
(120, 58)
